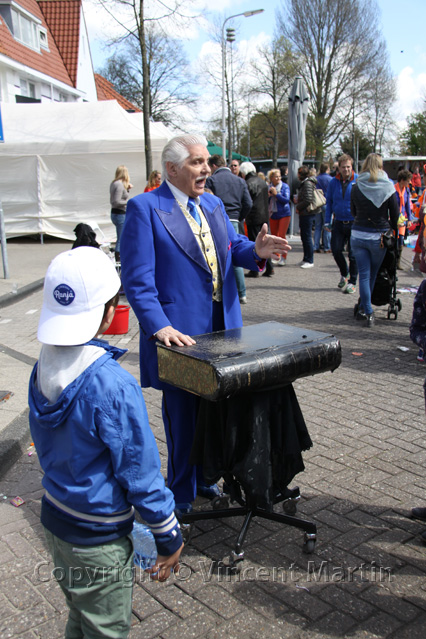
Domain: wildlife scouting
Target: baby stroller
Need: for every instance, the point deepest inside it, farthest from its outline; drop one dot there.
(384, 291)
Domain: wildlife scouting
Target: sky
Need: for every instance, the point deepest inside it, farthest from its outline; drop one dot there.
(404, 32)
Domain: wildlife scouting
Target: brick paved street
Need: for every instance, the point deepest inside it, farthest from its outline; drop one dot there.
(367, 576)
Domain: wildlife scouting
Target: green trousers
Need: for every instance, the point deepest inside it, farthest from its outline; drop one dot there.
(97, 582)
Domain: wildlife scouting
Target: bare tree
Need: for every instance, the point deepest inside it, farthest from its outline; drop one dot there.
(381, 97)
(272, 73)
(167, 65)
(133, 16)
(338, 43)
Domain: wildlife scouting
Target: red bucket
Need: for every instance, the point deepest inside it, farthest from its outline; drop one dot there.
(120, 321)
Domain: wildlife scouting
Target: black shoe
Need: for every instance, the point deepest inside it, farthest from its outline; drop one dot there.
(359, 312)
(317, 251)
(184, 508)
(268, 273)
(226, 488)
(418, 513)
(289, 493)
(209, 491)
(252, 274)
(360, 315)
(370, 320)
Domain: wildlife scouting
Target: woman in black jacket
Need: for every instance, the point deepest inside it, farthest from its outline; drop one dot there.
(375, 210)
(305, 197)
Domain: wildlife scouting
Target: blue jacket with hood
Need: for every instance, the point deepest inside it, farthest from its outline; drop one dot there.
(100, 458)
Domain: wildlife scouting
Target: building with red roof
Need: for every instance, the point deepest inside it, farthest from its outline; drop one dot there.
(45, 52)
(106, 91)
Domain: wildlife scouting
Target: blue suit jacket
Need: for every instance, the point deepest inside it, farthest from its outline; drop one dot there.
(165, 275)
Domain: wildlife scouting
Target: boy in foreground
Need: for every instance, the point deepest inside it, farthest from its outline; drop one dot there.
(89, 424)
(418, 335)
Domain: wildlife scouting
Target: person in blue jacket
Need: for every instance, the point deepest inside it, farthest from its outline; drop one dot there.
(338, 207)
(177, 253)
(279, 209)
(100, 460)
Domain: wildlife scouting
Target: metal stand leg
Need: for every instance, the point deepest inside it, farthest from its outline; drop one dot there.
(249, 512)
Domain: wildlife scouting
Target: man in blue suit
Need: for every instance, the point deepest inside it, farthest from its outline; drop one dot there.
(177, 251)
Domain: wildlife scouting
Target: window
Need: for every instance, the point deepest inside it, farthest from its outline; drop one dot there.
(25, 30)
(42, 34)
(27, 88)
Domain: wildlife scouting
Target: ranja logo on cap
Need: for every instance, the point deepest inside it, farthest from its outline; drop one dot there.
(64, 294)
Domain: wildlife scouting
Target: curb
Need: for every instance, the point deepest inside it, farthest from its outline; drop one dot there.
(24, 291)
(14, 440)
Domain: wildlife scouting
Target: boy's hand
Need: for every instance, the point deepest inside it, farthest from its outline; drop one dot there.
(164, 565)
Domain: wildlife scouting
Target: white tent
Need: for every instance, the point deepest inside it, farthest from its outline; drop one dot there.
(58, 160)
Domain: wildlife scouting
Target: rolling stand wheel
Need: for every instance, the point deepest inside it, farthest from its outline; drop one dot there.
(309, 543)
(290, 505)
(233, 564)
(220, 501)
(392, 311)
(290, 497)
(230, 565)
(186, 532)
(398, 304)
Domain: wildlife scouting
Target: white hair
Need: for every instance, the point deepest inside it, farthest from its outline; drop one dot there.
(176, 150)
(246, 168)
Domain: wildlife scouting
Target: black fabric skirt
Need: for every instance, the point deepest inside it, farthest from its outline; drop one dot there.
(258, 438)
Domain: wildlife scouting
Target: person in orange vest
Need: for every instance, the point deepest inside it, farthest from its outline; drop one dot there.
(416, 179)
(404, 201)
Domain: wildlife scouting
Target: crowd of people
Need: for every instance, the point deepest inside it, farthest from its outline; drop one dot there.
(183, 246)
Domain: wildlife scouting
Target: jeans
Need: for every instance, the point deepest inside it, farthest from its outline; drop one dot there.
(118, 220)
(342, 232)
(369, 257)
(326, 235)
(306, 223)
(238, 270)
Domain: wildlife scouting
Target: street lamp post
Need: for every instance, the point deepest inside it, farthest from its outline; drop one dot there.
(230, 37)
(246, 14)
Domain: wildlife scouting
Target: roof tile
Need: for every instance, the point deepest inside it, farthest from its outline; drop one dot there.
(47, 62)
(106, 91)
(63, 20)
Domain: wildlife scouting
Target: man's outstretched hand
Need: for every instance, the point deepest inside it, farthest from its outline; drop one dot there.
(268, 245)
(169, 335)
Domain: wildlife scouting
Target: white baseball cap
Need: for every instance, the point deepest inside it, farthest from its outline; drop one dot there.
(77, 285)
